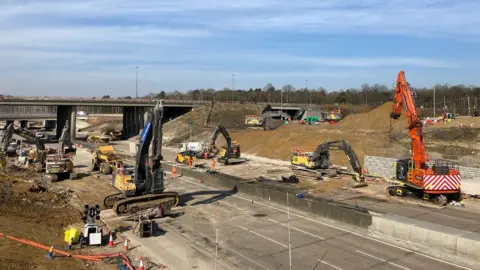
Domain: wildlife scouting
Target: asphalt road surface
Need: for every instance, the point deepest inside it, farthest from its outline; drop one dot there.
(255, 235)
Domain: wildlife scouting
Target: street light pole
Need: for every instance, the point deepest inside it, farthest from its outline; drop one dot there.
(136, 82)
(434, 88)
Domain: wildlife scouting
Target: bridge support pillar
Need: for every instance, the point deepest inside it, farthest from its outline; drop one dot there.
(8, 122)
(133, 121)
(65, 113)
(23, 123)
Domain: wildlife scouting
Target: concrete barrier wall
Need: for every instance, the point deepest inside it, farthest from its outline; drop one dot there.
(385, 167)
(427, 235)
(342, 212)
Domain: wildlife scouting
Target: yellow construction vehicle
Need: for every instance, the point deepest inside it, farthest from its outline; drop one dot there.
(229, 154)
(142, 187)
(105, 160)
(184, 157)
(104, 138)
(316, 164)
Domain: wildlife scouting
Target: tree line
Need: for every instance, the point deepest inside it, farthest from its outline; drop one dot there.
(376, 94)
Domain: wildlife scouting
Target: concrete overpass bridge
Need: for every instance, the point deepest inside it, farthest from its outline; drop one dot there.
(133, 109)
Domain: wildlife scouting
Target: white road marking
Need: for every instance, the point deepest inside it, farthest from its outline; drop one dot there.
(263, 236)
(331, 265)
(224, 246)
(296, 229)
(341, 229)
(382, 260)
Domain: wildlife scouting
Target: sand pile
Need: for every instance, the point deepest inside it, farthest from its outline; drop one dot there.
(377, 120)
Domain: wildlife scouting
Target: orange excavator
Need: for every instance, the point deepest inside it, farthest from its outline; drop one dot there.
(439, 182)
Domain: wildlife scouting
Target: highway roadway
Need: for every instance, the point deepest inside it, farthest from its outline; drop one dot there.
(254, 235)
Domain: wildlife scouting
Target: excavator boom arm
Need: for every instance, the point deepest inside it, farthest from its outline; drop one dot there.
(7, 137)
(222, 130)
(29, 136)
(403, 96)
(151, 134)
(344, 146)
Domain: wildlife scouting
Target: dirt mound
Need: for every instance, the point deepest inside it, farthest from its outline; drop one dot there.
(203, 119)
(38, 216)
(377, 120)
(233, 115)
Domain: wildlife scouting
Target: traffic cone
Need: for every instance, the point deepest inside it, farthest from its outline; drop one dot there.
(140, 266)
(125, 245)
(110, 241)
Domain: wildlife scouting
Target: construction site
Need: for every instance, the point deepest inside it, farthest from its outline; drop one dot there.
(247, 186)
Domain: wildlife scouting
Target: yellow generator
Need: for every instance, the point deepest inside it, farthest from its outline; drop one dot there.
(105, 160)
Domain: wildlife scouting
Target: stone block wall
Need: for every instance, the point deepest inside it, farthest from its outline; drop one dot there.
(385, 167)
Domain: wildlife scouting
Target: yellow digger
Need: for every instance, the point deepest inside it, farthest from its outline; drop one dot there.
(184, 157)
(105, 160)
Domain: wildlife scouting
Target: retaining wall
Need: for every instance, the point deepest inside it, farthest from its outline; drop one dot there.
(427, 236)
(341, 212)
(385, 167)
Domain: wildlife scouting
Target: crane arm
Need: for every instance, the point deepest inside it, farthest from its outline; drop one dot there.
(29, 136)
(151, 134)
(7, 137)
(403, 96)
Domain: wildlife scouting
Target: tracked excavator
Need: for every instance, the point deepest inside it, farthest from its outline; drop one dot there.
(60, 164)
(4, 144)
(317, 164)
(230, 154)
(439, 182)
(143, 187)
(37, 156)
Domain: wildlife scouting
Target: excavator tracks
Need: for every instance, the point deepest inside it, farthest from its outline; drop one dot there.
(131, 205)
(110, 200)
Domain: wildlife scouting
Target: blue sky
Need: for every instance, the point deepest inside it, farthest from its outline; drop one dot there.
(91, 47)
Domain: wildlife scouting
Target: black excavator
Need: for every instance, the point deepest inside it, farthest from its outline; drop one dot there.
(230, 154)
(316, 164)
(143, 187)
(37, 156)
(4, 145)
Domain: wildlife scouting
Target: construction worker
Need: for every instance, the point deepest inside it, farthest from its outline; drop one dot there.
(190, 163)
(50, 255)
(213, 164)
(174, 172)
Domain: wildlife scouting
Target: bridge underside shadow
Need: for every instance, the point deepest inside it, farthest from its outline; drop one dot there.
(134, 118)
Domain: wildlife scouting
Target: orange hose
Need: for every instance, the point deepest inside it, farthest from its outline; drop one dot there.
(96, 257)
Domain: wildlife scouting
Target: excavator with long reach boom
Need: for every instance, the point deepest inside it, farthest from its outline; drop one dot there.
(442, 180)
(143, 187)
(316, 164)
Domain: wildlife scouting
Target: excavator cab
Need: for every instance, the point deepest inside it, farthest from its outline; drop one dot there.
(402, 168)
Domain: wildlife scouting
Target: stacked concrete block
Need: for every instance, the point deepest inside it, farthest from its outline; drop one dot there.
(385, 167)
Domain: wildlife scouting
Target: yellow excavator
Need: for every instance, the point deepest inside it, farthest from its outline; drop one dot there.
(229, 154)
(142, 187)
(317, 164)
